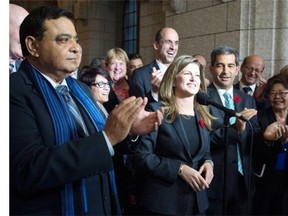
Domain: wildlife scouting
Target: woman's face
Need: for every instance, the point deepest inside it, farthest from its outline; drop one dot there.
(117, 69)
(278, 97)
(188, 81)
(101, 89)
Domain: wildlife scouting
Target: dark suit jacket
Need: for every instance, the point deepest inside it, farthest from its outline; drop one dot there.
(158, 158)
(218, 143)
(260, 105)
(266, 152)
(271, 188)
(140, 81)
(39, 168)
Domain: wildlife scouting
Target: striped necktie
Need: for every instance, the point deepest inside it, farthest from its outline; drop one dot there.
(11, 67)
(63, 90)
(230, 105)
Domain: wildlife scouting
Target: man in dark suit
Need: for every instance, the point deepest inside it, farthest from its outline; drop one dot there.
(61, 147)
(224, 68)
(252, 82)
(146, 80)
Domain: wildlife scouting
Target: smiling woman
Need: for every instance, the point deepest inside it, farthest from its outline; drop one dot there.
(270, 156)
(175, 160)
(99, 82)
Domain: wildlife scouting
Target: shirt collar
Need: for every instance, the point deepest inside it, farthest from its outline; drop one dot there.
(222, 91)
(242, 85)
(51, 81)
(162, 67)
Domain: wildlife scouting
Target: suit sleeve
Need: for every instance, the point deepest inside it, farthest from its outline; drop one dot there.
(36, 163)
(137, 84)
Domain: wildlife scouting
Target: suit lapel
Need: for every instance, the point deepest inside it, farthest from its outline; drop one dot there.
(213, 93)
(238, 106)
(179, 128)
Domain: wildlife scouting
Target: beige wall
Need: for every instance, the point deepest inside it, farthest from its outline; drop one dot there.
(251, 26)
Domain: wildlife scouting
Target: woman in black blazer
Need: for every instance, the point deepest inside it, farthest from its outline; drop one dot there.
(175, 159)
(270, 155)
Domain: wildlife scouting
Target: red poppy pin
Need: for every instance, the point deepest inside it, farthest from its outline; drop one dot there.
(236, 99)
(201, 123)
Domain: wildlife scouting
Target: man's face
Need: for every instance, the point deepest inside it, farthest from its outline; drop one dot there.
(134, 64)
(58, 53)
(167, 47)
(252, 70)
(224, 71)
(17, 15)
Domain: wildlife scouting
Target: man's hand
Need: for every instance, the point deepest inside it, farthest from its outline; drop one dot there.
(156, 79)
(146, 121)
(121, 119)
(259, 93)
(247, 114)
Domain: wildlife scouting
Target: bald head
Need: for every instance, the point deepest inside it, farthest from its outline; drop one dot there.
(251, 69)
(16, 16)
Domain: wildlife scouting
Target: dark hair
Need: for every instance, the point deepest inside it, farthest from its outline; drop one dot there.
(88, 75)
(134, 56)
(224, 50)
(33, 24)
(97, 62)
(158, 35)
(276, 79)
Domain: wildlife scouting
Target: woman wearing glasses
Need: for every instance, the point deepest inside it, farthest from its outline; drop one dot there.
(99, 82)
(270, 155)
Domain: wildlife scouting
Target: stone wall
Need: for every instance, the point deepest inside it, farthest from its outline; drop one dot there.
(251, 26)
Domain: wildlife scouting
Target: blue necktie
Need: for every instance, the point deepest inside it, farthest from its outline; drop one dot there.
(230, 105)
(11, 67)
(63, 90)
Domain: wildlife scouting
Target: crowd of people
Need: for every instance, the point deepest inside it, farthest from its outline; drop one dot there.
(126, 138)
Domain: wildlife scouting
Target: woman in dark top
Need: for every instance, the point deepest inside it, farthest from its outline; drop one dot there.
(270, 154)
(175, 159)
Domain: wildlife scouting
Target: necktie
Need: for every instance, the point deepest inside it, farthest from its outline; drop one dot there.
(248, 90)
(63, 90)
(230, 105)
(11, 67)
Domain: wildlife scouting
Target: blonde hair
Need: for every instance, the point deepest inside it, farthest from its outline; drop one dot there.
(117, 53)
(167, 93)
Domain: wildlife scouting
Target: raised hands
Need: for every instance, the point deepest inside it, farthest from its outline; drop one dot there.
(259, 93)
(277, 130)
(121, 118)
(156, 79)
(246, 113)
(146, 121)
(130, 116)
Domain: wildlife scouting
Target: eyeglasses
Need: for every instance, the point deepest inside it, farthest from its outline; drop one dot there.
(251, 69)
(281, 93)
(102, 84)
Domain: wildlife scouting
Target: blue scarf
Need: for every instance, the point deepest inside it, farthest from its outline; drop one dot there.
(65, 129)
